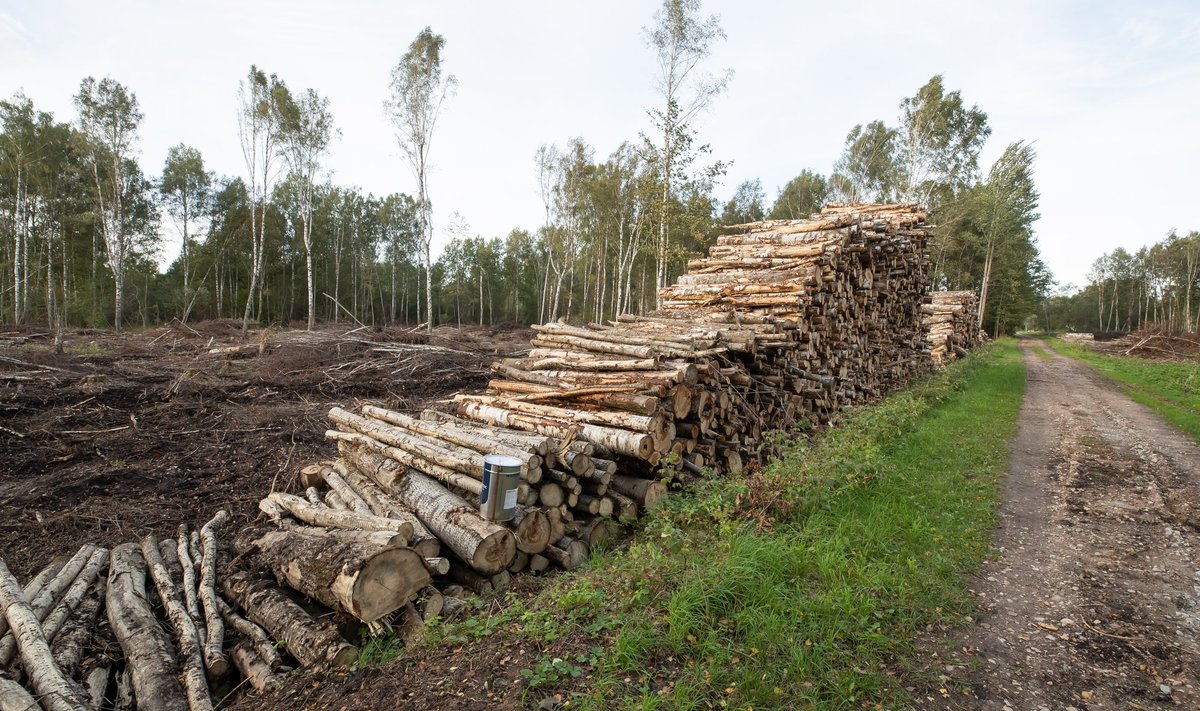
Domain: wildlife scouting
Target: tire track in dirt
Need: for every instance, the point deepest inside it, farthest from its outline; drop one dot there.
(1094, 599)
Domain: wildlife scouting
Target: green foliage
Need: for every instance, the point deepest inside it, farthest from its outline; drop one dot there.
(746, 205)
(803, 195)
(800, 589)
(867, 170)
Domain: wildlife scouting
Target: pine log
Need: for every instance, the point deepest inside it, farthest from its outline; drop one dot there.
(145, 644)
(195, 684)
(214, 642)
(309, 640)
(362, 578)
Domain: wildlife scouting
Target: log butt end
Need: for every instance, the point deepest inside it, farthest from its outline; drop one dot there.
(495, 552)
(386, 582)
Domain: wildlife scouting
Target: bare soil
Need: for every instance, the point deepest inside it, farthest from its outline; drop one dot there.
(1094, 599)
(126, 434)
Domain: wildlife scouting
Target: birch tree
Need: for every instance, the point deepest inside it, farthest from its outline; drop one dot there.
(109, 118)
(938, 144)
(681, 39)
(1009, 202)
(186, 189)
(306, 130)
(418, 91)
(260, 98)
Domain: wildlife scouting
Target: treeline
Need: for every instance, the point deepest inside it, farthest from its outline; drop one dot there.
(82, 221)
(1157, 286)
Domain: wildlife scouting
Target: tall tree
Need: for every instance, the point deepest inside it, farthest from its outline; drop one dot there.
(681, 39)
(418, 90)
(260, 100)
(746, 205)
(307, 130)
(803, 195)
(109, 118)
(186, 190)
(1008, 203)
(867, 170)
(938, 144)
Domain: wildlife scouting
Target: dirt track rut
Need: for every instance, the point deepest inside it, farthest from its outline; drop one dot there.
(1094, 599)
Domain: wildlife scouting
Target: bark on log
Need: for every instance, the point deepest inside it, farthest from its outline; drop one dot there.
(486, 546)
(309, 640)
(472, 441)
(194, 682)
(408, 459)
(568, 553)
(57, 692)
(69, 644)
(310, 514)
(14, 697)
(647, 492)
(214, 642)
(95, 684)
(384, 504)
(74, 595)
(253, 668)
(255, 635)
(345, 492)
(430, 602)
(633, 444)
(362, 578)
(146, 646)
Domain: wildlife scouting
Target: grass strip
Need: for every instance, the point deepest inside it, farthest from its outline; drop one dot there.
(1170, 389)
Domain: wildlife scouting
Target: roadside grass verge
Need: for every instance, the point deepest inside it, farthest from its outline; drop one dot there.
(802, 586)
(1170, 389)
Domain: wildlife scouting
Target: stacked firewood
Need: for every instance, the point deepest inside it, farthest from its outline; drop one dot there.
(953, 322)
(146, 625)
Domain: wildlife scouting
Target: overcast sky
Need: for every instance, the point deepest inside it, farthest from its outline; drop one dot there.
(1109, 92)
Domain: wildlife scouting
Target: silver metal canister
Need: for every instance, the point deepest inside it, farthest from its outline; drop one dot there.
(501, 476)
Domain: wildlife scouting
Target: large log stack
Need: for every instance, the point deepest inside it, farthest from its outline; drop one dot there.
(952, 320)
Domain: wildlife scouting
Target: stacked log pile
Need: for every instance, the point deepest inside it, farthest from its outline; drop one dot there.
(952, 320)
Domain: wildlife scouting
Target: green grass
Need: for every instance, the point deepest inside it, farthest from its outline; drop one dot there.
(1170, 389)
(801, 587)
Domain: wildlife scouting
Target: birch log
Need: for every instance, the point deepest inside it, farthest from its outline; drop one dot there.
(57, 692)
(362, 578)
(195, 684)
(145, 644)
(214, 643)
(309, 640)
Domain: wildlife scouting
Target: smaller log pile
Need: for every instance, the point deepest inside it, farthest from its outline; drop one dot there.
(952, 319)
(147, 625)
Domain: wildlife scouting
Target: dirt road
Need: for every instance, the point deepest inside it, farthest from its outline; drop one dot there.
(1094, 599)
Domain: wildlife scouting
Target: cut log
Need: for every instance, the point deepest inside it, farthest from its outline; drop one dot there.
(44, 591)
(214, 642)
(468, 439)
(73, 638)
(14, 697)
(568, 553)
(309, 640)
(412, 626)
(633, 444)
(646, 492)
(407, 459)
(364, 579)
(384, 504)
(486, 546)
(56, 691)
(532, 529)
(353, 500)
(255, 635)
(73, 596)
(95, 683)
(310, 514)
(146, 646)
(437, 566)
(195, 684)
(430, 602)
(253, 668)
(538, 563)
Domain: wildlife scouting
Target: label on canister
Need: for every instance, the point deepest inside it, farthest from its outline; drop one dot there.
(501, 476)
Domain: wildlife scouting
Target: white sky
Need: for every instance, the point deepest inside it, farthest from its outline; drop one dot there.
(1109, 92)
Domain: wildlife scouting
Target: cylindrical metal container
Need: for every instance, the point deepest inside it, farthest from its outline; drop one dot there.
(501, 475)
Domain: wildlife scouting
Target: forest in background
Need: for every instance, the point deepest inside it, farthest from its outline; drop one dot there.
(82, 220)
